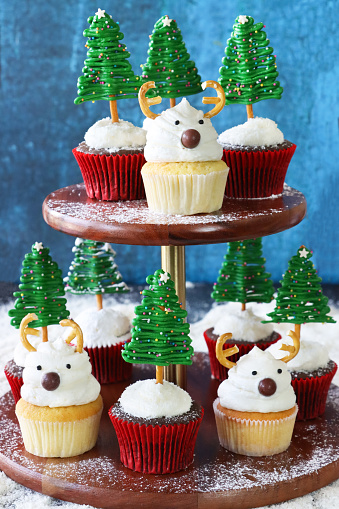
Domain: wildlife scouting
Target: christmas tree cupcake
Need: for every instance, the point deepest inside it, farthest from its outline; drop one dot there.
(157, 422)
(111, 156)
(300, 300)
(242, 278)
(184, 173)
(256, 151)
(168, 63)
(41, 290)
(60, 408)
(105, 330)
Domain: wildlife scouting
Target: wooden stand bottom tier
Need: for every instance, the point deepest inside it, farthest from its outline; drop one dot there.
(216, 479)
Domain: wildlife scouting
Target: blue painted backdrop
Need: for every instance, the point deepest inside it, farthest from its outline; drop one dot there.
(42, 55)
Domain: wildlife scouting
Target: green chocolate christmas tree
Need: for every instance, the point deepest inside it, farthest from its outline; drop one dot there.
(93, 270)
(107, 73)
(41, 291)
(249, 71)
(160, 335)
(300, 298)
(242, 277)
(169, 64)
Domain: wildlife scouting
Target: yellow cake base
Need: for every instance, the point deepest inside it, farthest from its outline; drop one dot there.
(59, 432)
(185, 188)
(254, 433)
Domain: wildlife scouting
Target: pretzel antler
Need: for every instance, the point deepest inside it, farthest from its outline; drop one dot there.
(289, 348)
(146, 102)
(219, 101)
(24, 330)
(223, 354)
(76, 332)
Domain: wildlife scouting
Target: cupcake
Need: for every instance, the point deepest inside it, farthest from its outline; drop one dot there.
(110, 159)
(258, 157)
(247, 331)
(111, 156)
(156, 426)
(14, 368)
(312, 372)
(60, 407)
(184, 173)
(255, 410)
(105, 331)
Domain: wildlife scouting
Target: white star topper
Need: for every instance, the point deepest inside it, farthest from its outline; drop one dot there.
(303, 253)
(164, 277)
(38, 246)
(167, 21)
(100, 13)
(242, 19)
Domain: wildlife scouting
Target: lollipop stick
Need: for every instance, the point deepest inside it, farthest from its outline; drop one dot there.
(159, 374)
(44, 334)
(249, 109)
(114, 111)
(99, 301)
(172, 102)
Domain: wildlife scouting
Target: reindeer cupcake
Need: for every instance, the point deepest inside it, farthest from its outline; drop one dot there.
(184, 173)
(60, 407)
(256, 407)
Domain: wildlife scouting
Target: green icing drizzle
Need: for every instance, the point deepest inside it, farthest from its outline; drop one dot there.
(300, 298)
(41, 290)
(107, 73)
(93, 269)
(169, 64)
(249, 72)
(159, 333)
(242, 277)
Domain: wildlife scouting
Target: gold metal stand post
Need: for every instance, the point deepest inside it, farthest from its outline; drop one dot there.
(173, 261)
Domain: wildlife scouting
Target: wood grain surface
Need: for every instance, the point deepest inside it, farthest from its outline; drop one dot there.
(216, 479)
(70, 211)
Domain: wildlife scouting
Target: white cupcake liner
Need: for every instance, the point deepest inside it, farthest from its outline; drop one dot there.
(253, 437)
(185, 194)
(59, 439)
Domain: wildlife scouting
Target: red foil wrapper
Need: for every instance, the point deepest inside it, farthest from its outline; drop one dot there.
(256, 174)
(311, 394)
(113, 177)
(108, 366)
(219, 371)
(15, 382)
(160, 449)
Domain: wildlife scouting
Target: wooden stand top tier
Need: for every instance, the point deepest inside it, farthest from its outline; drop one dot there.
(70, 211)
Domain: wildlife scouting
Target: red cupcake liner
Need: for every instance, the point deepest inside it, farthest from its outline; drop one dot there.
(219, 371)
(108, 366)
(15, 383)
(112, 178)
(311, 394)
(256, 174)
(156, 449)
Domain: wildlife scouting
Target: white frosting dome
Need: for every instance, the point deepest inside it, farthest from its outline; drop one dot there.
(241, 390)
(115, 136)
(103, 327)
(164, 136)
(244, 325)
(253, 133)
(311, 356)
(148, 400)
(77, 385)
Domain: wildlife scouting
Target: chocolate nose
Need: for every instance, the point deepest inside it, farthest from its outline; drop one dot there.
(50, 381)
(190, 138)
(267, 387)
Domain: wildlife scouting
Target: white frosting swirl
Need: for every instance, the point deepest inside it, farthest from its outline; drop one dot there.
(311, 356)
(104, 327)
(244, 325)
(115, 136)
(148, 400)
(20, 352)
(77, 385)
(164, 136)
(255, 132)
(241, 390)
